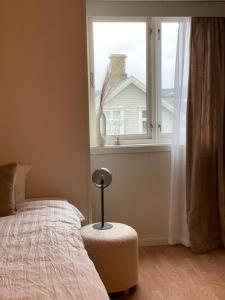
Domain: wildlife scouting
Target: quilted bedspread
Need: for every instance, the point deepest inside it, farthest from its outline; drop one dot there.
(42, 255)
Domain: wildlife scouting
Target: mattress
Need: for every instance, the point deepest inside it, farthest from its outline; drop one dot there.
(42, 255)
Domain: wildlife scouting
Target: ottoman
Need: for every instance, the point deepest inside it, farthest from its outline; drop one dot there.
(114, 253)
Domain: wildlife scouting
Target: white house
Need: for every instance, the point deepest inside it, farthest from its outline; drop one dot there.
(125, 106)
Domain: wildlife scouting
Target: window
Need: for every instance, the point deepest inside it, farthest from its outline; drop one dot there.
(114, 121)
(139, 57)
(168, 44)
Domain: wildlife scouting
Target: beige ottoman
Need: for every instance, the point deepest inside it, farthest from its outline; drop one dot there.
(115, 255)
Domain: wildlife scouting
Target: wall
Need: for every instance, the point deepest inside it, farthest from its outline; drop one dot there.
(139, 193)
(43, 95)
(155, 8)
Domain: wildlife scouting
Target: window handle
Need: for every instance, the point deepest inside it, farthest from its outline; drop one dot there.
(159, 33)
(160, 127)
(151, 126)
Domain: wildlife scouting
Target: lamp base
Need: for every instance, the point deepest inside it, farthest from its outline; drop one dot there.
(100, 227)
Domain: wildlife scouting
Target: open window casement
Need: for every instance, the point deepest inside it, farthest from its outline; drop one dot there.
(140, 56)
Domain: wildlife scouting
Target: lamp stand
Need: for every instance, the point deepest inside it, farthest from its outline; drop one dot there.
(102, 225)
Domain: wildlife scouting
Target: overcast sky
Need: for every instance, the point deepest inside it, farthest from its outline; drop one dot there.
(130, 39)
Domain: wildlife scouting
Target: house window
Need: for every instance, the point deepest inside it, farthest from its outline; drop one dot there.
(142, 120)
(138, 60)
(114, 121)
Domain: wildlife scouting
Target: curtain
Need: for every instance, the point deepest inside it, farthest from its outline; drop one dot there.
(206, 135)
(178, 232)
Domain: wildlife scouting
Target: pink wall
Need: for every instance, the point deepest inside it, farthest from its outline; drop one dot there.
(43, 95)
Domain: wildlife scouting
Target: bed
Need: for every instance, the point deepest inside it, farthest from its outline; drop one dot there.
(42, 255)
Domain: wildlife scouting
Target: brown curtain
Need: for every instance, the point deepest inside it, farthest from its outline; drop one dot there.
(206, 135)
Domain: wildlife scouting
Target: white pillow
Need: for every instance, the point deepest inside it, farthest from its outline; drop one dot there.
(68, 210)
(39, 201)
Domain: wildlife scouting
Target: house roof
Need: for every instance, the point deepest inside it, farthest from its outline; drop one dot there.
(166, 102)
(125, 83)
(168, 105)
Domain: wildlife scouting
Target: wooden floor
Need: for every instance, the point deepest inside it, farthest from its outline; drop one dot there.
(174, 273)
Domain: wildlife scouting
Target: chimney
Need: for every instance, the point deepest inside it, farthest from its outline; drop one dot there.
(117, 66)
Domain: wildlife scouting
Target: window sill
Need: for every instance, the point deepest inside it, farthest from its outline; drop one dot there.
(126, 149)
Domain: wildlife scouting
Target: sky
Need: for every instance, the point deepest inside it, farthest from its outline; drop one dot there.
(129, 38)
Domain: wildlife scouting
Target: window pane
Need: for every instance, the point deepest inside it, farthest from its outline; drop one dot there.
(144, 126)
(120, 48)
(169, 33)
(116, 114)
(144, 113)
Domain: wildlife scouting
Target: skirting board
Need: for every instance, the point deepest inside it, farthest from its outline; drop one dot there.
(153, 241)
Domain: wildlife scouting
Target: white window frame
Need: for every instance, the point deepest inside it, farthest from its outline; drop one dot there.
(153, 79)
(158, 21)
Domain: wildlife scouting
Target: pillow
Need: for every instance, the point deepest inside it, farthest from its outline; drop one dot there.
(7, 181)
(52, 201)
(20, 182)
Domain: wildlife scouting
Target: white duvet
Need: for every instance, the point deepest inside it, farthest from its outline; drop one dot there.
(42, 255)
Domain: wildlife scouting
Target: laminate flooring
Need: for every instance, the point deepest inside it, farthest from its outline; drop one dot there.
(174, 273)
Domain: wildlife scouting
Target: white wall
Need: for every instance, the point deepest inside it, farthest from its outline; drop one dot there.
(139, 193)
(155, 8)
(43, 95)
